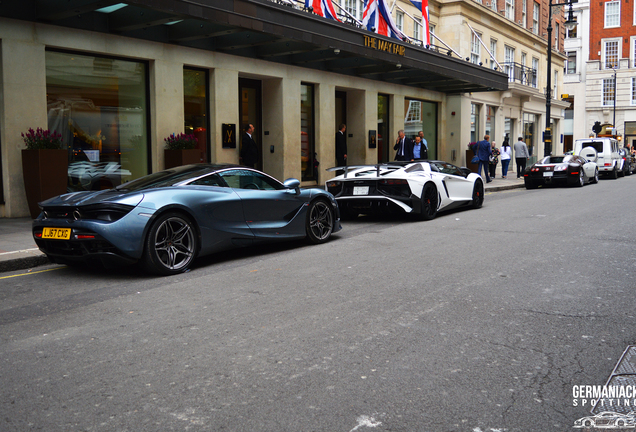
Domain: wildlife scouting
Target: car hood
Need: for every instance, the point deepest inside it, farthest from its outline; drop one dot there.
(94, 197)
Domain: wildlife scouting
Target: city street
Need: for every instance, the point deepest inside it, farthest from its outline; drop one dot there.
(478, 321)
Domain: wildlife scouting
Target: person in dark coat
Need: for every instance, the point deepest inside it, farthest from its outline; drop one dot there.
(403, 147)
(483, 153)
(341, 146)
(249, 149)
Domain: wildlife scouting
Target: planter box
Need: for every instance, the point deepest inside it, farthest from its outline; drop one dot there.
(175, 158)
(45, 175)
(469, 156)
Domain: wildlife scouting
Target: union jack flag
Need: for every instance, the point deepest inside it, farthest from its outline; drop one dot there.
(377, 18)
(422, 5)
(324, 8)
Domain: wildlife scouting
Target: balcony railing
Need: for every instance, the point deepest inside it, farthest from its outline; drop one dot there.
(520, 74)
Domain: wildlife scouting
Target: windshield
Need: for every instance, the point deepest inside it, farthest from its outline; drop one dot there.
(597, 145)
(165, 178)
(556, 159)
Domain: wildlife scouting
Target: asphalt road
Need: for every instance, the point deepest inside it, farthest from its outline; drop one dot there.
(480, 320)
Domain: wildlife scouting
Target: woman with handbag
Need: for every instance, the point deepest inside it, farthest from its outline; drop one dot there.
(493, 160)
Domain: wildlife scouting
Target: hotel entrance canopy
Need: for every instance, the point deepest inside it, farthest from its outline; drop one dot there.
(267, 30)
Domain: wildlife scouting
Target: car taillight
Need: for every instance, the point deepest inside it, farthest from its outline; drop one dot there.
(393, 182)
(608, 164)
(85, 236)
(535, 169)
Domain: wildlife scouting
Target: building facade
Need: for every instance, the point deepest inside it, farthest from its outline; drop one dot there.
(601, 74)
(116, 79)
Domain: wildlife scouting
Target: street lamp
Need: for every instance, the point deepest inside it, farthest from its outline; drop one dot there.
(569, 25)
(614, 121)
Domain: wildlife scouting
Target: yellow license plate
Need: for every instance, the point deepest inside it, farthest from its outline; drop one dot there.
(56, 233)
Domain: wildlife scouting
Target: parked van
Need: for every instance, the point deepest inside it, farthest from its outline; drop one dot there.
(603, 151)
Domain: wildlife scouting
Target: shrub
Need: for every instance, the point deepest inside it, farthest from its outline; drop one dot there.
(181, 142)
(42, 139)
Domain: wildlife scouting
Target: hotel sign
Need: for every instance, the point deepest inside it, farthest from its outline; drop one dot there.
(382, 45)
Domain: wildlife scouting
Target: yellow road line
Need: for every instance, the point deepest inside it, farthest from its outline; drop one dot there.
(30, 273)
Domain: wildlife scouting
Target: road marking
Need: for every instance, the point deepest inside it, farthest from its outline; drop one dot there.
(20, 251)
(30, 273)
(367, 421)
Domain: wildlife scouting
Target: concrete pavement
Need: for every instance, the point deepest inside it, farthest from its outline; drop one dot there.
(18, 249)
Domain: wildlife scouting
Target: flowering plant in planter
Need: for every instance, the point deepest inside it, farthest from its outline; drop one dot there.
(40, 139)
(181, 142)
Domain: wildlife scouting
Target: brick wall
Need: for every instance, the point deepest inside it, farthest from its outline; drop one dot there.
(598, 32)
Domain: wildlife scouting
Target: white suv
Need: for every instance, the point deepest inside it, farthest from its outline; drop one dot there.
(603, 151)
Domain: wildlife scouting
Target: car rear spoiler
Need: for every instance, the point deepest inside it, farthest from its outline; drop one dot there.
(347, 168)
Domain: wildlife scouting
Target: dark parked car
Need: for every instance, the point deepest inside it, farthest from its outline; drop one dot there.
(166, 219)
(566, 170)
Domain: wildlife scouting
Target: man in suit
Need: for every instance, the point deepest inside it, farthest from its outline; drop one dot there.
(403, 147)
(341, 146)
(484, 150)
(249, 149)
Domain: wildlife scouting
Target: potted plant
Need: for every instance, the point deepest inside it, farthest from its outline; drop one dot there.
(181, 150)
(44, 167)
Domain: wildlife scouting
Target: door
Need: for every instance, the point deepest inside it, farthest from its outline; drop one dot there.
(250, 112)
(268, 206)
(457, 185)
(384, 148)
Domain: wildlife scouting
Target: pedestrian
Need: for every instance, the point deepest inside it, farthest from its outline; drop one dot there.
(341, 146)
(521, 156)
(249, 149)
(506, 155)
(483, 154)
(421, 135)
(419, 149)
(403, 147)
(493, 160)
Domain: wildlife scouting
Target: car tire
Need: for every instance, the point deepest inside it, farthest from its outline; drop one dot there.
(171, 244)
(589, 153)
(581, 180)
(320, 220)
(530, 184)
(478, 194)
(614, 174)
(430, 202)
(595, 179)
(621, 173)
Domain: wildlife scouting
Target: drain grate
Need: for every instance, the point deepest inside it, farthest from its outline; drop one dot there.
(623, 375)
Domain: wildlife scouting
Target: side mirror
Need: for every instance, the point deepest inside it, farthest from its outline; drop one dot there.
(292, 184)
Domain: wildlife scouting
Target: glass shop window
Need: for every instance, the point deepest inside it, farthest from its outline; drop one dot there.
(99, 106)
(196, 103)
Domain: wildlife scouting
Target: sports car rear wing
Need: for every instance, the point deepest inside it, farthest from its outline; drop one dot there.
(348, 168)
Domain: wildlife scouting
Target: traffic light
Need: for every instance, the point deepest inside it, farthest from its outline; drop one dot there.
(597, 127)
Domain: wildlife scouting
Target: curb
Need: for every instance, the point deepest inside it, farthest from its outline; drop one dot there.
(507, 187)
(23, 262)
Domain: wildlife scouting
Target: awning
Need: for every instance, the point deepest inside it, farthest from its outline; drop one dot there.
(267, 30)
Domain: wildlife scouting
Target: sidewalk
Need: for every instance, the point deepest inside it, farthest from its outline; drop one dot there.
(18, 249)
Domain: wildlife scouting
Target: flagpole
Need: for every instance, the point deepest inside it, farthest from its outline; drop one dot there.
(484, 45)
(347, 13)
